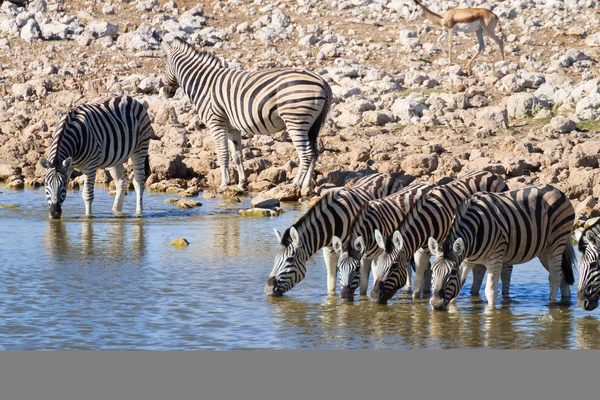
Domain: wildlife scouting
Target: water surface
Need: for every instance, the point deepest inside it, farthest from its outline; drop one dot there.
(116, 283)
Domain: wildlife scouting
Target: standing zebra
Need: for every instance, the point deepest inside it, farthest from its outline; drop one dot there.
(330, 216)
(101, 134)
(360, 247)
(230, 101)
(588, 290)
(431, 215)
(506, 228)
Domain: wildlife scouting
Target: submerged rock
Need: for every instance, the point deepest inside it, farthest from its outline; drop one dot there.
(180, 243)
(186, 204)
(9, 206)
(171, 201)
(282, 193)
(259, 212)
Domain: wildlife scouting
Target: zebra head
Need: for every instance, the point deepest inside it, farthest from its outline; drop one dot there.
(56, 184)
(290, 264)
(446, 273)
(416, 14)
(390, 269)
(171, 83)
(588, 290)
(348, 265)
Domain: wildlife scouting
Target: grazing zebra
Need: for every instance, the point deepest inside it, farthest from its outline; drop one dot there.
(588, 290)
(231, 101)
(431, 215)
(360, 248)
(330, 216)
(101, 134)
(506, 228)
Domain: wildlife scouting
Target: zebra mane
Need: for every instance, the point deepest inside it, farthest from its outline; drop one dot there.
(583, 242)
(205, 55)
(458, 216)
(59, 131)
(326, 199)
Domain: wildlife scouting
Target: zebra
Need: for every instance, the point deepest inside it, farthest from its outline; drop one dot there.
(588, 289)
(101, 134)
(330, 216)
(431, 215)
(506, 228)
(231, 101)
(360, 248)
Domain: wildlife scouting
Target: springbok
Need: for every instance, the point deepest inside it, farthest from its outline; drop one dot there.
(455, 20)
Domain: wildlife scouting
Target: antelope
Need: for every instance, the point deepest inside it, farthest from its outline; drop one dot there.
(455, 20)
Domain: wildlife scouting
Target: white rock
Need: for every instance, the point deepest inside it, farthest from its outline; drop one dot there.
(54, 30)
(8, 25)
(521, 105)
(30, 31)
(102, 29)
(140, 40)
(22, 90)
(562, 124)
(409, 38)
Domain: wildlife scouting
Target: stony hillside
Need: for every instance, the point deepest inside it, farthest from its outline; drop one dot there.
(399, 107)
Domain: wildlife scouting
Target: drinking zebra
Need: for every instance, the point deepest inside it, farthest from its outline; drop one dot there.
(231, 101)
(101, 134)
(588, 290)
(360, 247)
(431, 215)
(330, 216)
(506, 228)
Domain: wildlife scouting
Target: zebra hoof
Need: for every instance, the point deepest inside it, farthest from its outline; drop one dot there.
(222, 188)
(243, 187)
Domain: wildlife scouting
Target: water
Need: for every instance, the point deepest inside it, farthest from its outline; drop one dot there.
(116, 283)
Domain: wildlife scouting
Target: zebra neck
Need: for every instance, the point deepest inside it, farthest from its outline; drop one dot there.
(61, 149)
(198, 82)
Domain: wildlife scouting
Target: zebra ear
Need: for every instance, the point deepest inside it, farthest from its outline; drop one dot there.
(591, 238)
(577, 235)
(398, 241)
(459, 246)
(44, 163)
(277, 235)
(295, 237)
(380, 240)
(433, 246)
(67, 163)
(359, 245)
(336, 242)
(166, 48)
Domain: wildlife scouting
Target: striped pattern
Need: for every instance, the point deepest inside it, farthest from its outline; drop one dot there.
(101, 134)
(588, 290)
(384, 215)
(231, 101)
(330, 216)
(506, 228)
(431, 216)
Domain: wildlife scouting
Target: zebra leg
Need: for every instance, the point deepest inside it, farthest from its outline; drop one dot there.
(307, 182)
(478, 274)
(505, 277)
(219, 135)
(118, 174)
(365, 272)
(89, 178)
(305, 155)
(409, 270)
(235, 145)
(427, 280)
(331, 259)
(139, 176)
(421, 266)
(491, 286)
(552, 265)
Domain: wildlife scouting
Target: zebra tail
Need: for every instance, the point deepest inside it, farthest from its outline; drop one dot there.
(569, 263)
(313, 132)
(147, 169)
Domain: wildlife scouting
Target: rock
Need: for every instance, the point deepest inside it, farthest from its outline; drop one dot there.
(493, 117)
(274, 175)
(6, 171)
(171, 201)
(144, 38)
(261, 202)
(586, 207)
(562, 124)
(180, 243)
(189, 192)
(232, 192)
(158, 187)
(420, 164)
(408, 38)
(173, 190)
(31, 31)
(54, 30)
(282, 193)
(168, 167)
(186, 204)
(259, 212)
(521, 105)
(209, 195)
(581, 160)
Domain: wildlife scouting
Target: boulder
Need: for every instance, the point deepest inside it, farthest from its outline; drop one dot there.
(282, 193)
(180, 243)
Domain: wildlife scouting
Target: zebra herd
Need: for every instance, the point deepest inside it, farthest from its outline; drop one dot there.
(471, 223)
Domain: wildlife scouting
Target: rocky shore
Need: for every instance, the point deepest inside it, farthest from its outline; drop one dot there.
(398, 107)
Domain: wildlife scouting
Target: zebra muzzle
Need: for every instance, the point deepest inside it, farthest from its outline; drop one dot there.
(271, 288)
